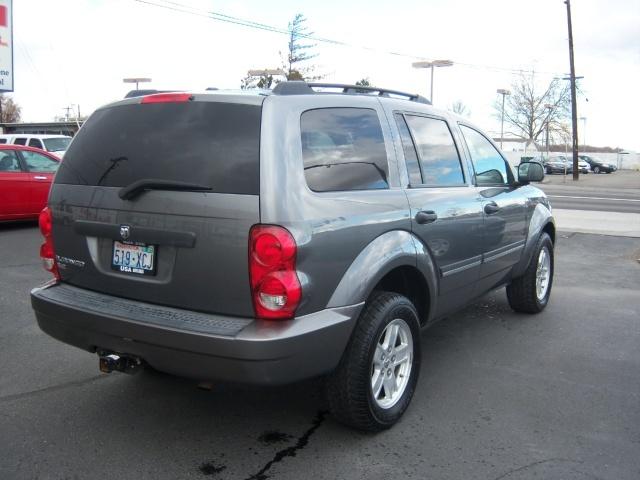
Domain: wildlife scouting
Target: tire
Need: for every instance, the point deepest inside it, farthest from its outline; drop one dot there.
(596, 169)
(522, 292)
(350, 386)
(549, 171)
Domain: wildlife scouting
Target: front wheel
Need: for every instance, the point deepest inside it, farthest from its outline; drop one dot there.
(530, 293)
(596, 170)
(377, 375)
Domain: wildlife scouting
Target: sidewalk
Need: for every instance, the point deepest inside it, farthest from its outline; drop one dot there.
(601, 223)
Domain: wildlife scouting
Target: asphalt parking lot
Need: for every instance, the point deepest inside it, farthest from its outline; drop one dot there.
(501, 395)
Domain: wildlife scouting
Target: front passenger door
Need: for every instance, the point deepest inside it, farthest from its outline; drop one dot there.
(504, 209)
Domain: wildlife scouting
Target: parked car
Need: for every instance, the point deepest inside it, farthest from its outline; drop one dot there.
(583, 167)
(597, 165)
(54, 144)
(268, 238)
(558, 164)
(25, 178)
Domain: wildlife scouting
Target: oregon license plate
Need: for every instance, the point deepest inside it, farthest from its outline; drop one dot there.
(136, 258)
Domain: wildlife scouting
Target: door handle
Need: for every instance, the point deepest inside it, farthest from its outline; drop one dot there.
(39, 177)
(491, 207)
(426, 216)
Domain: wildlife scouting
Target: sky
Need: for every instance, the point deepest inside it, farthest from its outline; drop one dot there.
(76, 52)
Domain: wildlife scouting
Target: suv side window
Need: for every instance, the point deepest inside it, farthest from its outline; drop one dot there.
(410, 154)
(34, 142)
(343, 149)
(20, 141)
(490, 167)
(439, 158)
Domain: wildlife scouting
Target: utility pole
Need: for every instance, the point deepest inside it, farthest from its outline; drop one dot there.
(574, 106)
(504, 93)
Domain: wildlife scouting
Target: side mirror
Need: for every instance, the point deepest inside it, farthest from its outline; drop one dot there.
(530, 172)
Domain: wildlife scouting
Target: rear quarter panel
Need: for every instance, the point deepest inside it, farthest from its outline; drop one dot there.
(332, 228)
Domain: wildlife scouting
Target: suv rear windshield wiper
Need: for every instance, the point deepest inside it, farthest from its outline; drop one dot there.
(136, 188)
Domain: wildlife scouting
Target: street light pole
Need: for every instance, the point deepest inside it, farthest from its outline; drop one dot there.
(432, 65)
(584, 134)
(504, 93)
(136, 80)
(549, 107)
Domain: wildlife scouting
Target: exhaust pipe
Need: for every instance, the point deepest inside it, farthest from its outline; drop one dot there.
(110, 362)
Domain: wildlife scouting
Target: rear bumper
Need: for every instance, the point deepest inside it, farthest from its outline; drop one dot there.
(195, 345)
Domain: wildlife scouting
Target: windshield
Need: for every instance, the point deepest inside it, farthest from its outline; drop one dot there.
(56, 144)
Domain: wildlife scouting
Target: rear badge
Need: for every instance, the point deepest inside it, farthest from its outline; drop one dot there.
(125, 231)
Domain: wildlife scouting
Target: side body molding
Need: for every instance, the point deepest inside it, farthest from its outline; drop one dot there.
(388, 251)
(540, 217)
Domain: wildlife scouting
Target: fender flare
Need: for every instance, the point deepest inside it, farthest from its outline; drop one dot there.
(390, 250)
(540, 218)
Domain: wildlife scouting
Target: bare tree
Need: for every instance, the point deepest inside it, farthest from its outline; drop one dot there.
(460, 108)
(257, 81)
(529, 110)
(10, 111)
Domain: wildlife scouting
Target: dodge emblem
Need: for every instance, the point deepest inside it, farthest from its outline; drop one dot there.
(125, 231)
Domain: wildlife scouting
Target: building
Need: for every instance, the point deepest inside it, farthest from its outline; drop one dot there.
(46, 128)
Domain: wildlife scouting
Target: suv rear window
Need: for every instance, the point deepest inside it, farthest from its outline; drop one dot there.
(210, 143)
(343, 149)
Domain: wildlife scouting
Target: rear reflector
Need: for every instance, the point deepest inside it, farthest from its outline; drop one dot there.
(275, 288)
(167, 98)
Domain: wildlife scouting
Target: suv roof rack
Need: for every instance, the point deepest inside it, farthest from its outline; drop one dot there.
(143, 93)
(298, 87)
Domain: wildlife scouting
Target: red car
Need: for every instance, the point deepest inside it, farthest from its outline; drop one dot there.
(25, 178)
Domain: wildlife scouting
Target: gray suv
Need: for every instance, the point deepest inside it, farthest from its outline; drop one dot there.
(272, 236)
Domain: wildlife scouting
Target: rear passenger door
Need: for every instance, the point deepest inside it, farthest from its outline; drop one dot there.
(503, 206)
(41, 169)
(446, 212)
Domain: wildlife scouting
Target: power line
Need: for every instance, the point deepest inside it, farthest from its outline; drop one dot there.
(221, 17)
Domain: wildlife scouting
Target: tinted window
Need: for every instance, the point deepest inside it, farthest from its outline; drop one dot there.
(8, 161)
(34, 142)
(207, 143)
(39, 163)
(343, 149)
(439, 157)
(410, 155)
(489, 165)
(20, 141)
(3, 140)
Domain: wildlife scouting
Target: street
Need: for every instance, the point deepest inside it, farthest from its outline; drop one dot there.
(500, 396)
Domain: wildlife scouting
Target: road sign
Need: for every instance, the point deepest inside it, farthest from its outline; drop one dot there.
(6, 45)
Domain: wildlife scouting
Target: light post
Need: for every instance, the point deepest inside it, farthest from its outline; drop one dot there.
(550, 108)
(504, 93)
(432, 65)
(584, 134)
(136, 80)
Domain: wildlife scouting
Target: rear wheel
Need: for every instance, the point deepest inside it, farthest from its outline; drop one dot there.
(530, 292)
(377, 375)
(596, 169)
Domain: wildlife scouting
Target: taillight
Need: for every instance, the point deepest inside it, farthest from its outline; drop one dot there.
(275, 288)
(167, 98)
(47, 253)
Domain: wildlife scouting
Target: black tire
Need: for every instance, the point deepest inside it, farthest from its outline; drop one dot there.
(596, 169)
(549, 171)
(521, 292)
(349, 389)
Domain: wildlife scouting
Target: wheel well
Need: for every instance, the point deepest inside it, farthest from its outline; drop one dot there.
(551, 231)
(408, 281)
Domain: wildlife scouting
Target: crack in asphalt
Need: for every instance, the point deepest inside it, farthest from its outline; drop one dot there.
(290, 451)
(533, 464)
(53, 388)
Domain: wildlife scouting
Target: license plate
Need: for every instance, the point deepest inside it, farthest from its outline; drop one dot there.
(136, 258)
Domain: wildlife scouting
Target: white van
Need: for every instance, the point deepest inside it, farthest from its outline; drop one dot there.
(55, 144)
